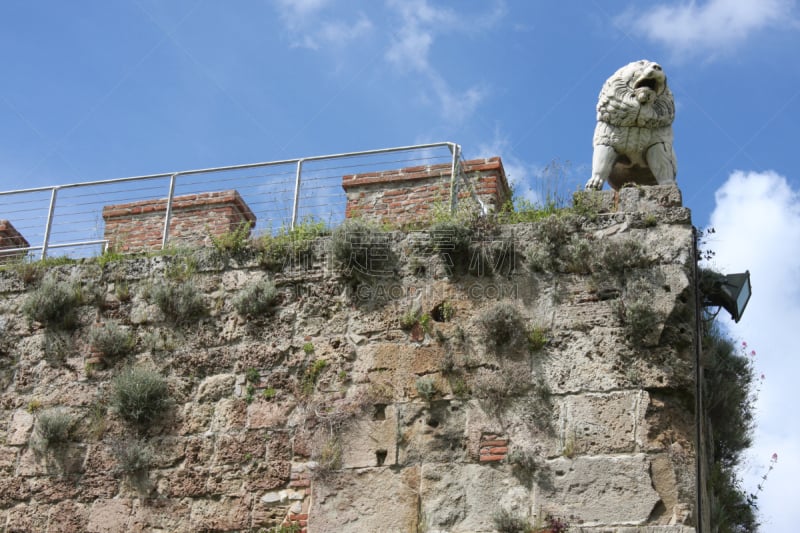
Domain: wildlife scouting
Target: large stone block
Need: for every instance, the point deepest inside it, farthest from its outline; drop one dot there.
(110, 516)
(461, 498)
(432, 432)
(371, 440)
(599, 490)
(597, 423)
(374, 499)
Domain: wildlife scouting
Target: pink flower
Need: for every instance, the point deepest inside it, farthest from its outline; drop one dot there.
(744, 344)
(774, 457)
(752, 353)
(763, 377)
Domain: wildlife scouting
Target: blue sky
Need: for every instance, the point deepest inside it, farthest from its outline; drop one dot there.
(96, 89)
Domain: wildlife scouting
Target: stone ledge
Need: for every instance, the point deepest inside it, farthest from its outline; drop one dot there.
(645, 198)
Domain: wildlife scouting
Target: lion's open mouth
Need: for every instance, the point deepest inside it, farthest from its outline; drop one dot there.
(650, 83)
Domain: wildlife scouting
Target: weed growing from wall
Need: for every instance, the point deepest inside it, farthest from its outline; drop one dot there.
(506, 521)
(181, 268)
(57, 346)
(53, 303)
(28, 271)
(289, 247)
(552, 234)
(53, 428)
(537, 339)
(620, 255)
(452, 240)
(256, 299)
(361, 250)
(328, 456)
(111, 340)
(133, 456)
(139, 395)
(232, 242)
(500, 386)
(426, 388)
(502, 325)
(180, 302)
(639, 319)
(312, 374)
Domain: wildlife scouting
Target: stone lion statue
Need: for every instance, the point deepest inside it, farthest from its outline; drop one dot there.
(633, 137)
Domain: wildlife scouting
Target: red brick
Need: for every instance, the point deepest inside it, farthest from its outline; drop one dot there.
(486, 458)
(494, 442)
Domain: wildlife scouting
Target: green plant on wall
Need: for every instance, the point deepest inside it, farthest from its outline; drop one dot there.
(256, 299)
(111, 340)
(328, 456)
(53, 427)
(180, 267)
(232, 242)
(139, 395)
(134, 456)
(180, 302)
(53, 303)
(537, 339)
(639, 319)
(426, 388)
(502, 324)
(312, 374)
(361, 250)
(620, 255)
(289, 247)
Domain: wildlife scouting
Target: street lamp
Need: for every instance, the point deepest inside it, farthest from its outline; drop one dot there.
(731, 291)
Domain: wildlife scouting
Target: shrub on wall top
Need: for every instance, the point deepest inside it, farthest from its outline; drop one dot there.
(360, 248)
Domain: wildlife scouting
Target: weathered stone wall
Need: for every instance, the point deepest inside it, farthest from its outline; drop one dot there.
(436, 426)
(410, 194)
(139, 226)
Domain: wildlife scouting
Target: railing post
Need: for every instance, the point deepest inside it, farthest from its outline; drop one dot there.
(456, 149)
(168, 214)
(296, 192)
(49, 225)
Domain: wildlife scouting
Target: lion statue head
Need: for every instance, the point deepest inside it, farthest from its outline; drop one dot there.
(636, 85)
(633, 137)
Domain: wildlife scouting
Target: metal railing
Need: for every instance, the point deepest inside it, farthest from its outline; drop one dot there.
(280, 194)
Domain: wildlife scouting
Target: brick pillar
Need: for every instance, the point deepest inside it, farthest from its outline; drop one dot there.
(409, 194)
(10, 238)
(138, 226)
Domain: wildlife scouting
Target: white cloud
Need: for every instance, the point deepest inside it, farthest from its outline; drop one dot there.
(411, 45)
(710, 27)
(309, 27)
(757, 223)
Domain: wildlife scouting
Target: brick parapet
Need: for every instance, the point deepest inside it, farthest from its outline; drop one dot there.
(138, 226)
(10, 238)
(409, 194)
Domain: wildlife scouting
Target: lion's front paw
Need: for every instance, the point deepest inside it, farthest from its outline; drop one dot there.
(595, 183)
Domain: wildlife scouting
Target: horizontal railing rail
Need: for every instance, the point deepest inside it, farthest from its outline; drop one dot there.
(280, 193)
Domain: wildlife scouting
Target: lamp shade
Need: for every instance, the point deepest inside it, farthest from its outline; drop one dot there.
(731, 291)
